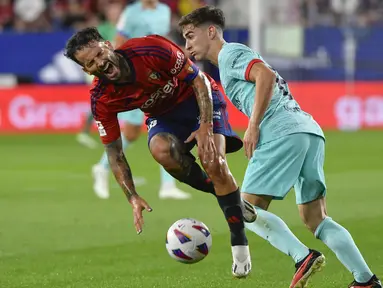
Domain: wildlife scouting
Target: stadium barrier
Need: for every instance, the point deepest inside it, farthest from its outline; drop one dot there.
(59, 109)
(322, 58)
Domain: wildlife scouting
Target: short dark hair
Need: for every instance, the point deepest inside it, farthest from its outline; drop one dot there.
(203, 15)
(80, 40)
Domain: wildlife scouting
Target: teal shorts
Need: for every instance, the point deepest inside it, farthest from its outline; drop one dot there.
(134, 117)
(295, 160)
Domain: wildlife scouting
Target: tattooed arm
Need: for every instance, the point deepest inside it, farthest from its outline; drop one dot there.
(123, 175)
(204, 135)
(120, 168)
(175, 64)
(202, 90)
(110, 134)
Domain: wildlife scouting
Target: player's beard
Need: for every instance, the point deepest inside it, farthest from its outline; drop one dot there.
(111, 70)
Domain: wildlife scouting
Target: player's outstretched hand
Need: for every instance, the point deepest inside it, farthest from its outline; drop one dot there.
(251, 139)
(138, 205)
(205, 142)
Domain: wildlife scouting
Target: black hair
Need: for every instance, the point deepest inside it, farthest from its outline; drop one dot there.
(204, 15)
(81, 39)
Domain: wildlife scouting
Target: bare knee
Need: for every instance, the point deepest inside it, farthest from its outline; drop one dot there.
(160, 149)
(169, 151)
(312, 223)
(218, 171)
(131, 132)
(313, 213)
(261, 201)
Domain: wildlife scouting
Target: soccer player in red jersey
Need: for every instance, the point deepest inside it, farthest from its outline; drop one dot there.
(184, 107)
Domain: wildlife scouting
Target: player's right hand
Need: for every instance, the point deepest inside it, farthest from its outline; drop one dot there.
(250, 139)
(138, 205)
(205, 141)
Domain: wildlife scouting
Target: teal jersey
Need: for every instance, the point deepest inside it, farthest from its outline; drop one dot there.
(283, 115)
(138, 22)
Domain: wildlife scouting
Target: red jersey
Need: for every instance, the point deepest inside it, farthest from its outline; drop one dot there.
(161, 80)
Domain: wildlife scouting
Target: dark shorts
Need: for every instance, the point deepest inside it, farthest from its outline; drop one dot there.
(184, 119)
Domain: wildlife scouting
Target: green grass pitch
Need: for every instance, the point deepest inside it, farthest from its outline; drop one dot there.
(55, 233)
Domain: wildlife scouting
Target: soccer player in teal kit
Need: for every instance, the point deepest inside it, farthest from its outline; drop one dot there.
(285, 148)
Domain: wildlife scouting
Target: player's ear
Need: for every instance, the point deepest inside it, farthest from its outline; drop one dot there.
(212, 31)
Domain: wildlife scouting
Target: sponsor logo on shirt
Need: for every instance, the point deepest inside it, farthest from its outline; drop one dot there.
(216, 116)
(162, 92)
(179, 62)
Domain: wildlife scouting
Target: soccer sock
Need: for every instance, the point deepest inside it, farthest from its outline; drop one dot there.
(339, 240)
(104, 159)
(88, 124)
(273, 229)
(167, 180)
(197, 179)
(231, 207)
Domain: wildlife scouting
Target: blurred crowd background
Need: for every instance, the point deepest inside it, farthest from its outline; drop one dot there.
(322, 42)
(53, 15)
(315, 33)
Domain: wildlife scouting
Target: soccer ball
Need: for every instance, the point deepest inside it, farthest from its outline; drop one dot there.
(188, 241)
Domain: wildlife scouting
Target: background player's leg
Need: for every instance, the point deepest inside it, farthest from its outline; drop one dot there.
(104, 162)
(130, 132)
(311, 190)
(167, 180)
(168, 187)
(83, 137)
(229, 199)
(88, 123)
(100, 172)
(172, 154)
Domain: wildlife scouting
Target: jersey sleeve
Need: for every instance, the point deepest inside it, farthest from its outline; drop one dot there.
(170, 58)
(124, 24)
(238, 61)
(107, 122)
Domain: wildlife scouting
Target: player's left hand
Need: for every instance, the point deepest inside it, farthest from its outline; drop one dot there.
(138, 205)
(251, 139)
(205, 142)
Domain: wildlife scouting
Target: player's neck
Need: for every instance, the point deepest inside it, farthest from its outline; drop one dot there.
(214, 50)
(149, 6)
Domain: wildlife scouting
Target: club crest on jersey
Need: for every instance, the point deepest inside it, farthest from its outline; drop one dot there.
(154, 76)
